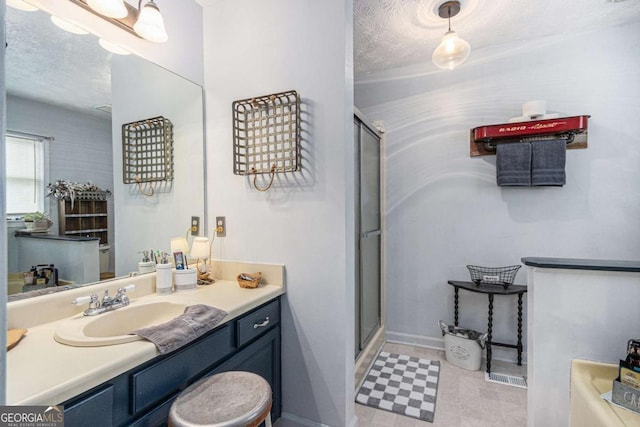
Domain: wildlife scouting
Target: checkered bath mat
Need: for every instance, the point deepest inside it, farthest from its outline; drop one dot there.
(401, 384)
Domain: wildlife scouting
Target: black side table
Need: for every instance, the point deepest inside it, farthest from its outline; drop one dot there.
(492, 290)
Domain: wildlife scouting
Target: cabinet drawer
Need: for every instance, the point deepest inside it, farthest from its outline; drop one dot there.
(95, 410)
(163, 378)
(259, 321)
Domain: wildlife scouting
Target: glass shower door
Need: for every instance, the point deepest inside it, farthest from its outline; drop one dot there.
(370, 236)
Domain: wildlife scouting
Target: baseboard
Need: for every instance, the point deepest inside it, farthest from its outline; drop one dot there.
(290, 420)
(419, 340)
(502, 354)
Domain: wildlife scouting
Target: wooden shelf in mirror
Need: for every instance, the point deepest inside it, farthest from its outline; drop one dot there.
(84, 218)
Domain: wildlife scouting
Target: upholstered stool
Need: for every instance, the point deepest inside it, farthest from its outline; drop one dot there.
(229, 399)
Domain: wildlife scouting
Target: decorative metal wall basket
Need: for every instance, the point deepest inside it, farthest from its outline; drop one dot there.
(147, 151)
(266, 134)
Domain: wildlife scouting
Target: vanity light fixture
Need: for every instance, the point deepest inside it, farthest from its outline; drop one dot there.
(145, 21)
(109, 8)
(112, 47)
(150, 25)
(452, 50)
(22, 5)
(68, 26)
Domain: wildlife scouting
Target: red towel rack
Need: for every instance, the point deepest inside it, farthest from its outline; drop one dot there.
(483, 139)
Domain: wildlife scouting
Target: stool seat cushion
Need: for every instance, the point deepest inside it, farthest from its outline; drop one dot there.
(222, 400)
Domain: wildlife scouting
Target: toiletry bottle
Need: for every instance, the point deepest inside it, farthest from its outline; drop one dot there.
(164, 276)
(146, 265)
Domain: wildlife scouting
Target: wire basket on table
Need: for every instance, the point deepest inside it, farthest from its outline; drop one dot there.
(504, 276)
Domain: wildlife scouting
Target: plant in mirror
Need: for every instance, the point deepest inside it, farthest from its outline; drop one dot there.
(55, 82)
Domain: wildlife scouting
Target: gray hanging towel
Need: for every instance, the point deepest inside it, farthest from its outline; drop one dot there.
(513, 163)
(196, 321)
(548, 162)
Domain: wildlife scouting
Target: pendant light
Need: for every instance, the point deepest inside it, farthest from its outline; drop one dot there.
(109, 8)
(150, 25)
(452, 50)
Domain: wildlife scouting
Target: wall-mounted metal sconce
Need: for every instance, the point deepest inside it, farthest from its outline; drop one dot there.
(144, 21)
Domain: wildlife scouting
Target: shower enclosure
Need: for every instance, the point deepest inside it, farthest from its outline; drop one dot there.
(368, 233)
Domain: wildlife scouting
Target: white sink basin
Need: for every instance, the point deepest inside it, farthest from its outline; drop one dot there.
(589, 380)
(114, 327)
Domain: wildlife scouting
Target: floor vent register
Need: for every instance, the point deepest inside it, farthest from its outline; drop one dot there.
(512, 380)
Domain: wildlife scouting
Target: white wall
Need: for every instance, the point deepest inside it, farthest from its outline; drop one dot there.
(257, 48)
(444, 209)
(81, 150)
(141, 90)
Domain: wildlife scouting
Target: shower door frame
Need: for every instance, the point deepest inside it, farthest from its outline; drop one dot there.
(361, 124)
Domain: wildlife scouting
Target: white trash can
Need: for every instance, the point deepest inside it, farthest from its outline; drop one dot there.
(463, 347)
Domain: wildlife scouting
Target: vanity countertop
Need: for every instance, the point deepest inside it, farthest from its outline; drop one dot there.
(41, 371)
(583, 264)
(45, 236)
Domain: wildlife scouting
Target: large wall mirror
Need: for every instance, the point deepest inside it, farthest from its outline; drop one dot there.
(66, 90)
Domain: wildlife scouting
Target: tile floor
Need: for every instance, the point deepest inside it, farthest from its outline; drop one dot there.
(464, 397)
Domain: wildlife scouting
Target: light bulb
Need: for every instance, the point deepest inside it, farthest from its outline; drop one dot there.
(150, 25)
(67, 26)
(110, 8)
(113, 48)
(22, 5)
(451, 52)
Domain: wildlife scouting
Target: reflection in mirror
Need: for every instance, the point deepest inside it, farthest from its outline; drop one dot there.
(67, 92)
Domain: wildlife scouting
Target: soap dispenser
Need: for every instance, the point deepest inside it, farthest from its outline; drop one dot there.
(146, 265)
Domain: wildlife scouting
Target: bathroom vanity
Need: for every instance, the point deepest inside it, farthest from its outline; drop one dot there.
(577, 309)
(143, 396)
(131, 383)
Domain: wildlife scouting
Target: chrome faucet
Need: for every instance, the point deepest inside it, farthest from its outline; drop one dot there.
(97, 306)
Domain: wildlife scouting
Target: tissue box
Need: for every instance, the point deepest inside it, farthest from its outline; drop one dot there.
(626, 396)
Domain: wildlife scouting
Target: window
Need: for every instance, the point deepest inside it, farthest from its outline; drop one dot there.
(25, 174)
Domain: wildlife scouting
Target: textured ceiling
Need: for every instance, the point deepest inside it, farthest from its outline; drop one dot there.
(398, 33)
(53, 66)
(46, 63)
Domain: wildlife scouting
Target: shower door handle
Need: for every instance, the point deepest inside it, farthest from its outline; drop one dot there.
(368, 234)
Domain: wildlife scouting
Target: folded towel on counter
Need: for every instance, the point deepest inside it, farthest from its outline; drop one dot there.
(513, 163)
(548, 160)
(196, 321)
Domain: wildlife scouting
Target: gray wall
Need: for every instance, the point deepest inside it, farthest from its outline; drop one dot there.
(444, 209)
(81, 151)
